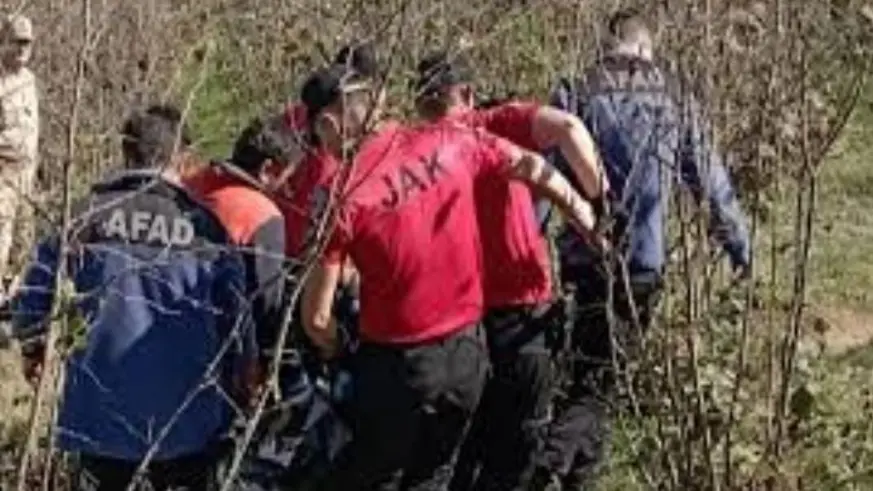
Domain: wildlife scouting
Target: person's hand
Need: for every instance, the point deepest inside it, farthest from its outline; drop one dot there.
(603, 245)
(597, 241)
(252, 386)
(327, 341)
(31, 367)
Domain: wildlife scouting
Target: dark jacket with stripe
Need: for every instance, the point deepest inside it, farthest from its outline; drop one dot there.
(255, 225)
(160, 328)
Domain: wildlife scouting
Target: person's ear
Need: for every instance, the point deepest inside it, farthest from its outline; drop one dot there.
(184, 162)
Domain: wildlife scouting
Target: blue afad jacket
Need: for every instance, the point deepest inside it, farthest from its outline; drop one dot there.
(651, 135)
(164, 325)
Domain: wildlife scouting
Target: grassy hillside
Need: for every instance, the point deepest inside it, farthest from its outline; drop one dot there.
(842, 258)
(841, 287)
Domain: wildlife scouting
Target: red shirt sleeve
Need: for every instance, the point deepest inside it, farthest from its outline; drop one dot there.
(513, 121)
(337, 248)
(493, 154)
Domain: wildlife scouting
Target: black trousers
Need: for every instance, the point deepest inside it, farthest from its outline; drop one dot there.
(507, 431)
(410, 411)
(190, 473)
(578, 436)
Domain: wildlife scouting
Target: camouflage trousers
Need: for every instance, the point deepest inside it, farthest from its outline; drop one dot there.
(16, 183)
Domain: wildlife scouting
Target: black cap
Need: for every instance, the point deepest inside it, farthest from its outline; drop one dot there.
(361, 57)
(326, 85)
(439, 70)
(322, 88)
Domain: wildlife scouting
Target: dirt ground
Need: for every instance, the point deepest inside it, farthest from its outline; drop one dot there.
(842, 328)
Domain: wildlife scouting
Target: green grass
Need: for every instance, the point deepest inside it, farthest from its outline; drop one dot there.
(842, 260)
(842, 256)
(840, 272)
(218, 113)
(223, 103)
(215, 115)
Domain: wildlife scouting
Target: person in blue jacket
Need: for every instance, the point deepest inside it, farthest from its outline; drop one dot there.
(650, 135)
(162, 341)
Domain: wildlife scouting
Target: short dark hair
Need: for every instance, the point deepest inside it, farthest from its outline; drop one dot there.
(326, 86)
(439, 70)
(358, 56)
(627, 25)
(149, 137)
(262, 141)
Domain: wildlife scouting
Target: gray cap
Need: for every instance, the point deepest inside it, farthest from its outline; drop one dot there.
(18, 28)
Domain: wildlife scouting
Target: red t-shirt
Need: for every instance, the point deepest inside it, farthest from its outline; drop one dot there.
(304, 197)
(306, 194)
(513, 121)
(299, 198)
(516, 256)
(296, 116)
(409, 225)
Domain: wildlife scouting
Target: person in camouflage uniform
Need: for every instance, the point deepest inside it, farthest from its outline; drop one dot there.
(19, 132)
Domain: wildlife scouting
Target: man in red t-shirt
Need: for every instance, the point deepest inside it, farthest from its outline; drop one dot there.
(303, 190)
(407, 219)
(359, 57)
(517, 274)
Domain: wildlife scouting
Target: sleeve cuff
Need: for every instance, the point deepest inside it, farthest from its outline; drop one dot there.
(738, 253)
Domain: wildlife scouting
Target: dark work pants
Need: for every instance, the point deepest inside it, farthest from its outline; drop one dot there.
(410, 411)
(507, 431)
(190, 473)
(578, 436)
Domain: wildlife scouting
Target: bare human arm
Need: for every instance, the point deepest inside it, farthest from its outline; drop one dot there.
(543, 128)
(533, 169)
(554, 127)
(318, 296)
(702, 169)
